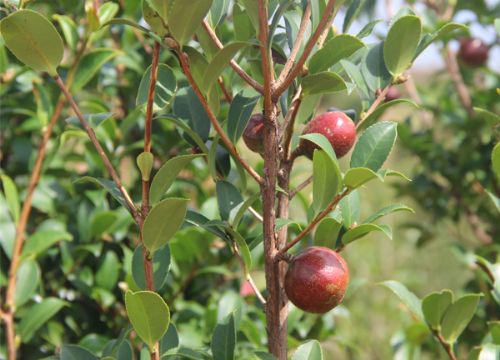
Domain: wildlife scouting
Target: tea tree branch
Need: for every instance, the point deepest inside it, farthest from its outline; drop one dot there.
(213, 119)
(315, 221)
(304, 22)
(237, 68)
(282, 84)
(462, 91)
(380, 98)
(100, 150)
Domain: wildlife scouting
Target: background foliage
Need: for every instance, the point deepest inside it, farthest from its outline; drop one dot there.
(81, 254)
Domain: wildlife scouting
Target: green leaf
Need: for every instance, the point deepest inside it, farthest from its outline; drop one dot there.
(149, 315)
(494, 327)
(184, 19)
(495, 160)
(373, 69)
(68, 28)
(322, 83)
(349, 207)
(228, 197)
(352, 13)
(327, 180)
(108, 185)
(388, 210)
(374, 146)
(239, 113)
(406, 296)
(354, 73)
(220, 62)
(42, 240)
(458, 315)
(107, 275)
(310, 350)
(327, 232)
(27, 280)
(242, 248)
(187, 129)
(367, 29)
(190, 108)
(90, 65)
(444, 30)
(340, 47)
(145, 164)
(355, 177)
(161, 266)
(75, 352)
(37, 316)
(153, 18)
(401, 44)
(33, 40)
(167, 174)
(165, 88)
(94, 120)
(435, 305)
(224, 340)
(162, 222)
(170, 340)
(379, 111)
(364, 229)
(162, 7)
(492, 118)
(11, 196)
(323, 143)
(241, 209)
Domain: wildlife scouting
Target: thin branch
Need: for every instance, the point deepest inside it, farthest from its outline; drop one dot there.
(215, 123)
(237, 68)
(380, 98)
(463, 93)
(283, 84)
(267, 64)
(100, 150)
(446, 346)
(304, 22)
(8, 316)
(300, 187)
(289, 122)
(227, 94)
(315, 221)
(248, 277)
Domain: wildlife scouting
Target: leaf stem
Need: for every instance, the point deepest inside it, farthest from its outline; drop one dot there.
(446, 346)
(373, 106)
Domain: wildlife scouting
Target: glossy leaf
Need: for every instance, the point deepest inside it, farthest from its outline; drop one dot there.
(374, 146)
(37, 316)
(167, 174)
(379, 111)
(322, 83)
(373, 69)
(388, 210)
(161, 266)
(327, 232)
(354, 73)
(191, 135)
(327, 180)
(11, 196)
(435, 305)
(310, 350)
(349, 208)
(90, 65)
(351, 13)
(27, 280)
(406, 296)
(228, 197)
(189, 107)
(361, 230)
(75, 352)
(355, 177)
(170, 340)
(162, 7)
(224, 340)
(94, 120)
(239, 113)
(165, 88)
(107, 275)
(241, 209)
(323, 144)
(340, 47)
(457, 316)
(367, 29)
(444, 30)
(243, 249)
(162, 222)
(184, 19)
(149, 315)
(220, 62)
(33, 40)
(153, 18)
(401, 44)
